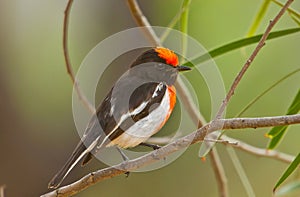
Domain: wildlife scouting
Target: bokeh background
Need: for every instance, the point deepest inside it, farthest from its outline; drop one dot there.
(37, 131)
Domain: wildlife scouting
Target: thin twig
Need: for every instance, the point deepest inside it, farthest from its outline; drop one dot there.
(217, 165)
(70, 71)
(260, 151)
(2, 188)
(194, 114)
(95, 176)
(188, 103)
(238, 145)
(241, 74)
(168, 139)
(219, 172)
(142, 21)
(219, 124)
(251, 58)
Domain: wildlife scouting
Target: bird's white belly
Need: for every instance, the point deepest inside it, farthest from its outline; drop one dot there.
(146, 127)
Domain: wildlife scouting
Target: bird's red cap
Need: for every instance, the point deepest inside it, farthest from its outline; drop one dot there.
(168, 55)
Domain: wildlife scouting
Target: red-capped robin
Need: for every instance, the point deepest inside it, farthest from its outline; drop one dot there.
(136, 108)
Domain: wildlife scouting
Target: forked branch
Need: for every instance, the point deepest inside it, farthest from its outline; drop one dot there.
(220, 124)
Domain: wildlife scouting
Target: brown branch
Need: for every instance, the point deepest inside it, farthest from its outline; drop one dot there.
(259, 46)
(219, 124)
(260, 151)
(189, 105)
(219, 172)
(168, 139)
(2, 188)
(142, 21)
(70, 71)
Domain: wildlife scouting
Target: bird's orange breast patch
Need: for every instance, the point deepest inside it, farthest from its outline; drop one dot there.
(172, 95)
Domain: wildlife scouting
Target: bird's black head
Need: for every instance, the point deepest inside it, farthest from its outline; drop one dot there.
(159, 64)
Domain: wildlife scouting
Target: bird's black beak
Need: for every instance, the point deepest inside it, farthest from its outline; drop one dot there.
(183, 68)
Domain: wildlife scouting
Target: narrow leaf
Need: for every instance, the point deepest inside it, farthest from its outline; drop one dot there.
(278, 136)
(292, 167)
(173, 22)
(276, 133)
(295, 106)
(238, 44)
(184, 26)
(262, 11)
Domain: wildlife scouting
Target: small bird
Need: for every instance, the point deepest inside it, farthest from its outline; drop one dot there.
(137, 107)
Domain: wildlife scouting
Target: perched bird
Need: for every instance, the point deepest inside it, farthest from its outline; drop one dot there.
(137, 107)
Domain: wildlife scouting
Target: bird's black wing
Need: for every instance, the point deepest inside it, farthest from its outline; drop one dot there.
(107, 121)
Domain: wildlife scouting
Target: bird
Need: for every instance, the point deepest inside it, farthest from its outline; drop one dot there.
(137, 106)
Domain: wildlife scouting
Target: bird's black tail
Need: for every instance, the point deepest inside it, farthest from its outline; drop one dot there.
(78, 153)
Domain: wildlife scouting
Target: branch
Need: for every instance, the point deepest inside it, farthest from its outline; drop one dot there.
(2, 188)
(219, 172)
(189, 105)
(219, 124)
(70, 71)
(142, 21)
(260, 151)
(251, 58)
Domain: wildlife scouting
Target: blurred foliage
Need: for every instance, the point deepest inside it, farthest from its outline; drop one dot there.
(37, 131)
(289, 189)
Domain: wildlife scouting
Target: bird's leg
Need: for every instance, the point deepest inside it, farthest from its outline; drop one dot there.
(125, 158)
(154, 146)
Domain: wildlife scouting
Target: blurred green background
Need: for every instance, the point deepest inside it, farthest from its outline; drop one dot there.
(37, 131)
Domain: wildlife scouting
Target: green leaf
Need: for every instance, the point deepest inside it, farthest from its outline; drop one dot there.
(184, 25)
(262, 11)
(288, 189)
(294, 165)
(276, 133)
(238, 44)
(278, 136)
(295, 106)
(174, 21)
